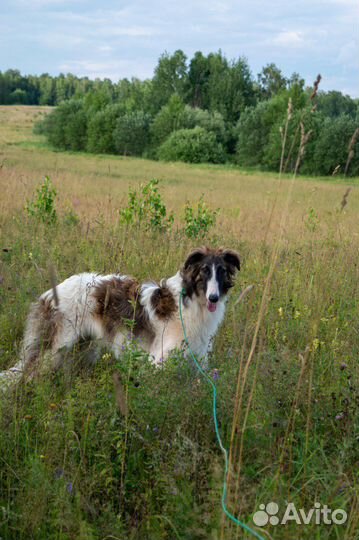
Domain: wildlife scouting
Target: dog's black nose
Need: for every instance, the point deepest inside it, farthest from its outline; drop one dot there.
(213, 298)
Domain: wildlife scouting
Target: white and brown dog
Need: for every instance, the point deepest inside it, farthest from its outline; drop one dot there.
(99, 307)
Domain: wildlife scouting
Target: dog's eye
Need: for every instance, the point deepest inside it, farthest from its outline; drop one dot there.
(206, 270)
(220, 271)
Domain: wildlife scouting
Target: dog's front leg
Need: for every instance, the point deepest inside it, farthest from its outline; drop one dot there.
(160, 351)
(165, 342)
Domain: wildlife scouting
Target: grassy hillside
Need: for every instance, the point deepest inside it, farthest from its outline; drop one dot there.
(74, 463)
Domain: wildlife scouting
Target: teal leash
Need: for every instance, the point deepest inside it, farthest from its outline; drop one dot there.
(223, 449)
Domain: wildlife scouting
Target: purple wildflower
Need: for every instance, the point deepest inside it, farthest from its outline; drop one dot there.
(69, 487)
(216, 374)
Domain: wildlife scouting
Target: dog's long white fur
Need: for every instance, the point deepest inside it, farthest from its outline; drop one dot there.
(76, 304)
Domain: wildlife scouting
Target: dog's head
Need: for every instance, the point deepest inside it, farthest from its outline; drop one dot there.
(209, 274)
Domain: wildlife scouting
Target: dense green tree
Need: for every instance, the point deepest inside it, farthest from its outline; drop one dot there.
(210, 121)
(132, 132)
(252, 134)
(254, 128)
(134, 94)
(208, 93)
(311, 122)
(218, 85)
(334, 104)
(101, 127)
(198, 78)
(18, 97)
(332, 148)
(174, 115)
(170, 78)
(47, 90)
(271, 81)
(66, 126)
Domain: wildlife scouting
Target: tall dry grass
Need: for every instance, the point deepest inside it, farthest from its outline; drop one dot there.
(89, 457)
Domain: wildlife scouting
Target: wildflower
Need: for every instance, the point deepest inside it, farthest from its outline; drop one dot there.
(280, 312)
(296, 314)
(69, 487)
(215, 374)
(339, 416)
(343, 366)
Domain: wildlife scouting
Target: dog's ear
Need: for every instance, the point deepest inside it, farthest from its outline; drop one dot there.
(194, 257)
(231, 258)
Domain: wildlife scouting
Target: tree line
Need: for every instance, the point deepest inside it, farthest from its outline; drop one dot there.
(203, 109)
(17, 89)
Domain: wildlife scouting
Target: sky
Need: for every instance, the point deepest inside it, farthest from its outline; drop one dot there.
(118, 39)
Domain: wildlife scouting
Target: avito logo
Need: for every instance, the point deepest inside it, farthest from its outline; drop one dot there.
(268, 513)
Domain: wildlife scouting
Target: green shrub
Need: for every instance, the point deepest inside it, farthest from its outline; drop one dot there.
(173, 116)
(193, 146)
(198, 221)
(66, 126)
(42, 207)
(131, 134)
(210, 121)
(147, 207)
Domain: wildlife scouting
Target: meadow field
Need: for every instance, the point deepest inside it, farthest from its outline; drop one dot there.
(82, 457)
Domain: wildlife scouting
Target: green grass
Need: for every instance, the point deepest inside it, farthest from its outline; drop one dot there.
(77, 465)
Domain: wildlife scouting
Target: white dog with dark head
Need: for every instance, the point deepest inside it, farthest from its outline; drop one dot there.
(93, 306)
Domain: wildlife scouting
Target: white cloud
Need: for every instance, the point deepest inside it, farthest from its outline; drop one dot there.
(105, 48)
(48, 3)
(218, 6)
(290, 38)
(59, 40)
(349, 54)
(350, 3)
(309, 36)
(111, 69)
(131, 31)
